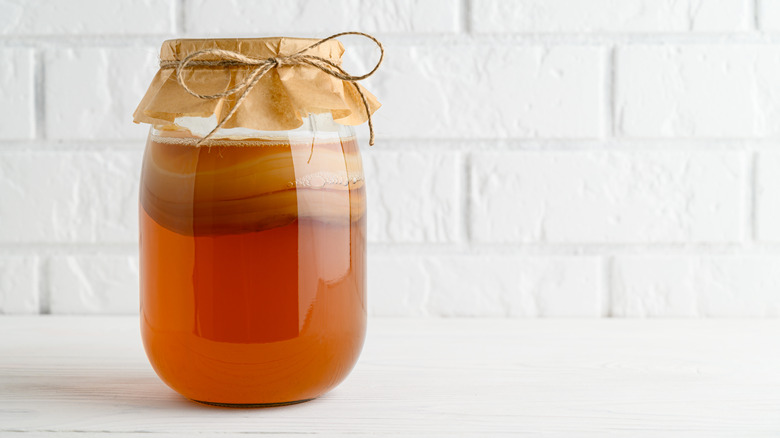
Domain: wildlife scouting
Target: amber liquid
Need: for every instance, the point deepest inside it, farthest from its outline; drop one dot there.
(253, 267)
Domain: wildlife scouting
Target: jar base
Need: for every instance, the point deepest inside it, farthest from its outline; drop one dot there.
(252, 405)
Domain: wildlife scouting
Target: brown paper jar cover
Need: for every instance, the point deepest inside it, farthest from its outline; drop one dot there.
(279, 101)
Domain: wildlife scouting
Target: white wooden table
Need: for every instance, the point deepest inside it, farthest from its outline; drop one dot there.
(88, 376)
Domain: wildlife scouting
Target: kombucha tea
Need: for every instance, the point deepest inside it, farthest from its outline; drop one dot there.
(252, 266)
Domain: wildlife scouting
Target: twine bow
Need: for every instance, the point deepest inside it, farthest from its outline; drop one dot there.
(262, 66)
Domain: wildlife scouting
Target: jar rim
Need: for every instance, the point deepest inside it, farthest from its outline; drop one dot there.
(265, 47)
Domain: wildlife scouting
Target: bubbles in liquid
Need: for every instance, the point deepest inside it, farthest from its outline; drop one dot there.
(323, 180)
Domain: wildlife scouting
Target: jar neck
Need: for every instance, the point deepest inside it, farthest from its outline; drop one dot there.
(314, 126)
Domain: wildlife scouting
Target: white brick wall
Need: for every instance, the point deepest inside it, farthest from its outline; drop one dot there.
(769, 15)
(106, 93)
(484, 90)
(629, 16)
(69, 197)
(93, 284)
(424, 203)
(19, 284)
(87, 17)
(307, 17)
(17, 109)
(486, 285)
(696, 285)
(768, 196)
(724, 91)
(607, 197)
(535, 158)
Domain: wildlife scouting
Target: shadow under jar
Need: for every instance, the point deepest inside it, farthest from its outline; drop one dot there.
(253, 262)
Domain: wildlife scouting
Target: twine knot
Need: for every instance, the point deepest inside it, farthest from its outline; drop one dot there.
(229, 58)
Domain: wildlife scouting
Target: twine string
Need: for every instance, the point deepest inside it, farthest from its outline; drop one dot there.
(227, 58)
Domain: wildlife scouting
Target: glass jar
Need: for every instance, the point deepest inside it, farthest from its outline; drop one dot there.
(253, 261)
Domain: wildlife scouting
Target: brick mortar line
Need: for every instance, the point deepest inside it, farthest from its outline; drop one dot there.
(70, 148)
(578, 248)
(610, 75)
(606, 290)
(39, 95)
(50, 249)
(446, 249)
(465, 16)
(44, 293)
(437, 39)
(465, 198)
(755, 14)
(752, 198)
(475, 144)
(443, 148)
